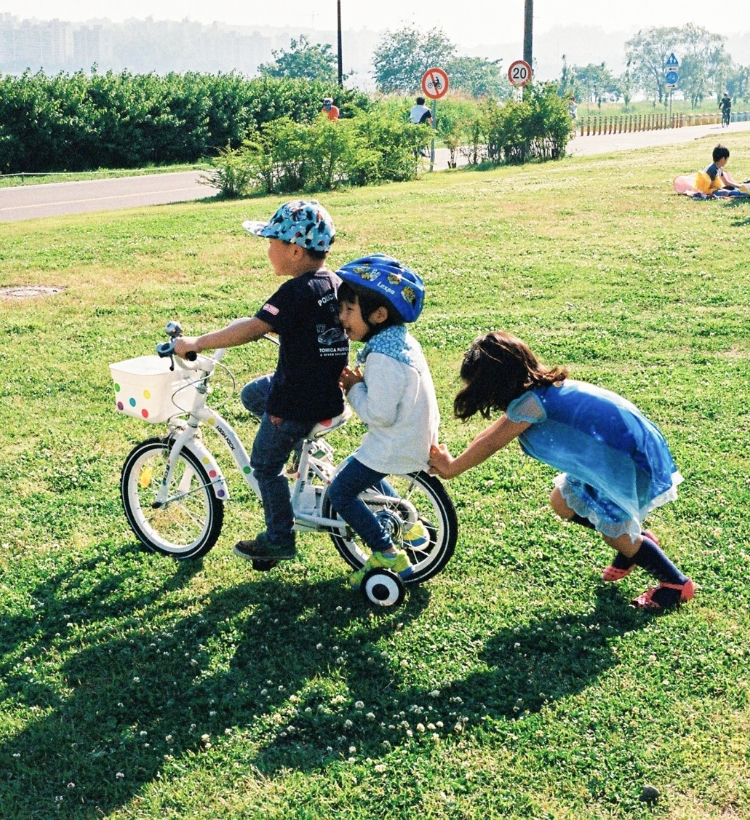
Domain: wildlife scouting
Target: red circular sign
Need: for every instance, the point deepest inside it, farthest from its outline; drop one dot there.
(519, 73)
(435, 83)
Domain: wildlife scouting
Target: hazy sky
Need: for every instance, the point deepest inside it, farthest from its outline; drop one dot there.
(467, 22)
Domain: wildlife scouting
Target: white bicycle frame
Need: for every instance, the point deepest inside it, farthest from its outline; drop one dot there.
(307, 497)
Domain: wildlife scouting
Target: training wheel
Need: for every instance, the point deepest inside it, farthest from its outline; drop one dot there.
(264, 564)
(383, 587)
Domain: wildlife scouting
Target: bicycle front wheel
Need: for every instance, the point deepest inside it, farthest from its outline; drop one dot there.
(420, 495)
(188, 524)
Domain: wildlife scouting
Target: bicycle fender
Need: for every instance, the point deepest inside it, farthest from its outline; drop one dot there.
(212, 468)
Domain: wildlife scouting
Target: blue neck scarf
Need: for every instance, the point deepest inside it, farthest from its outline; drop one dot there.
(395, 342)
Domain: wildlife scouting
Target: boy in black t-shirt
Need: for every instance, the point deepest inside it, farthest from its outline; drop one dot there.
(313, 350)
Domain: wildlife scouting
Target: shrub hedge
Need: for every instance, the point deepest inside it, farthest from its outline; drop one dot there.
(264, 133)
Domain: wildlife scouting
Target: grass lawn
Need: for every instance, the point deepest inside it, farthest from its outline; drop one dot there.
(515, 684)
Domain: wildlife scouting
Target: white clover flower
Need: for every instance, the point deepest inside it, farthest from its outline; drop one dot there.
(169, 738)
(348, 724)
(319, 646)
(264, 691)
(352, 750)
(71, 785)
(136, 680)
(205, 738)
(431, 727)
(409, 733)
(227, 731)
(435, 693)
(308, 710)
(435, 737)
(439, 724)
(350, 759)
(359, 705)
(370, 716)
(379, 768)
(120, 775)
(212, 713)
(404, 663)
(420, 727)
(143, 733)
(282, 688)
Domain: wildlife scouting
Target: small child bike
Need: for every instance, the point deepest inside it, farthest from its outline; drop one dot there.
(173, 490)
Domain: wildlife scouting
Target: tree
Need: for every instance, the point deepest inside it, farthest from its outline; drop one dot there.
(738, 82)
(704, 63)
(478, 77)
(304, 60)
(403, 56)
(647, 52)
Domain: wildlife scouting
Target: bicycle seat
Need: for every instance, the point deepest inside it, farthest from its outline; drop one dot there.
(322, 428)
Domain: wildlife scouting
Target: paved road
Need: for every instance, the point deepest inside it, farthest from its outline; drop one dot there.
(57, 199)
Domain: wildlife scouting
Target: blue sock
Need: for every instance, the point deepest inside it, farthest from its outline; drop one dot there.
(655, 562)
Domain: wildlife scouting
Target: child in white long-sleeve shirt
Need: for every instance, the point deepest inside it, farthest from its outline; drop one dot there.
(393, 394)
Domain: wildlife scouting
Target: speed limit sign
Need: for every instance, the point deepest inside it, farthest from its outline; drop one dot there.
(519, 73)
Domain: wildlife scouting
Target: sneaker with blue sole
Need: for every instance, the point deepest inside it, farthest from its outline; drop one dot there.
(397, 562)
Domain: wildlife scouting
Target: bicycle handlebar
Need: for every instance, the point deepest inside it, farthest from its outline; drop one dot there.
(174, 331)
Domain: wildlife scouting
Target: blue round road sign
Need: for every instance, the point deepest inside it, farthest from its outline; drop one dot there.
(671, 77)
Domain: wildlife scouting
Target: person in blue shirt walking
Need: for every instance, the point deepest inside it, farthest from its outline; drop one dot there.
(616, 463)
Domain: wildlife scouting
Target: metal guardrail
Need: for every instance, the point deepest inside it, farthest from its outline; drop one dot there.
(626, 123)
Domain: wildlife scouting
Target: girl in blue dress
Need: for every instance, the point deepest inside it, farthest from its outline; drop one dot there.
(616, 466)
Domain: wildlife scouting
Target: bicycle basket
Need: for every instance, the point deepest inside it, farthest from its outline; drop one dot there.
(145, 388)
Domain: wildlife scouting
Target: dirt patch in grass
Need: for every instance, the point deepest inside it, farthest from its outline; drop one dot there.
(28, 291)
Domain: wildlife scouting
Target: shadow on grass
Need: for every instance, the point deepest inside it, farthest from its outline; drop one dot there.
(135, 680)
(139, 683)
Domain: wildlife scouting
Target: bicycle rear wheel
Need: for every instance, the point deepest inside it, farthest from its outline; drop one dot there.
(189, 523)
(417, 495)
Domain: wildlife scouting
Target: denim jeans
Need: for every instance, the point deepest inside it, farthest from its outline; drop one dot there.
(344, 492)
(272, 447)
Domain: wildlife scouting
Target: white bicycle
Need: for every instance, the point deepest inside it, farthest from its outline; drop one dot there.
(173, 489)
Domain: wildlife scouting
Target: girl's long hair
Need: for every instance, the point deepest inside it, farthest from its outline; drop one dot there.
(496, 369)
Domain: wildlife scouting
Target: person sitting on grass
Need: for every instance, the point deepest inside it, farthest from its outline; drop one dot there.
(715, 178)
(313, 350)
(394, 396)
(617, 464)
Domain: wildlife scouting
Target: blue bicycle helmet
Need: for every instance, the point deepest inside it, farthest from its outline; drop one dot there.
(398, 285)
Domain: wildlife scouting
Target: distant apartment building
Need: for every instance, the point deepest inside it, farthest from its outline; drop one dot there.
(142, 46)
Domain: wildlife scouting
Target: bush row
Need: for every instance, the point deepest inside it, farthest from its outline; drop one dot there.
(379, 144)
(285, 156)
(83, 121)
(265, 133)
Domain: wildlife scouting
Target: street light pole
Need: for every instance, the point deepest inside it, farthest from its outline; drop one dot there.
(341, 62)
(528, 34)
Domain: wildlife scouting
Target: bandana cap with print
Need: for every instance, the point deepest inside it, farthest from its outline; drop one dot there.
(302, 221)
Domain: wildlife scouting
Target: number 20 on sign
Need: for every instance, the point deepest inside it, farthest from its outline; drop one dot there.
(519, 73)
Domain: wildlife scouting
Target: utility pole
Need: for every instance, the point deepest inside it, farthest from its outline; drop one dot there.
(341, 61)
(528, 35)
